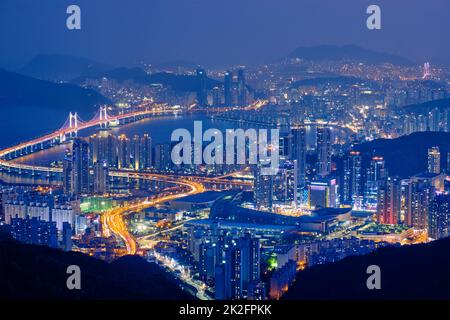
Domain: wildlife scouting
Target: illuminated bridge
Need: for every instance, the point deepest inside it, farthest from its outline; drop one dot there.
(70, 129)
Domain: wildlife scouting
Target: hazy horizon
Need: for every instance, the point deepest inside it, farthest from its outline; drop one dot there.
(217, 33)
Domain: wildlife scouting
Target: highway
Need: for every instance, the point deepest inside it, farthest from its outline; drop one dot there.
(113, 220)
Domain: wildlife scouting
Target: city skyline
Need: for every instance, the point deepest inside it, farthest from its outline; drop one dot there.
(284, 164)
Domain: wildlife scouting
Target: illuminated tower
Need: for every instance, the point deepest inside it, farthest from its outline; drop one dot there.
(242, 90)
(202, 98)
(80, 167)
(323, 151)
(434, 160)
(299, 153)
(228, 86)
(389, 201)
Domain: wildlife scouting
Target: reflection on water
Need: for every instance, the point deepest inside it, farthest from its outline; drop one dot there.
(160, 129)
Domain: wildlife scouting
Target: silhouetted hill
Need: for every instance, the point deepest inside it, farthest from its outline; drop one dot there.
(342, 80)
(38, 272)
(178, 82)
(407, 155)
(19, 90)
(347, 52)
(57, 67)
(173, 65)
(425, 107)
(407, 272)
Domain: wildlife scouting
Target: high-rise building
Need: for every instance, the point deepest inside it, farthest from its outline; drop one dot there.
(263, 189)
(434, 160)
(448, 162)
(228, 87)
(416, 202)
(352, 187)
(238, 268)
(146, 152)
(136, 152)
(80, 167)
(216, 97)
(323, 193)
(299, 153)
(389, 201)
(323, 151)
(439, 217)
(242, 88)
(103, 148)
(123, 152)
(375, 173)
(285, 182)
(67, 172)
(163, 161)
(101, 177)
(202, 94)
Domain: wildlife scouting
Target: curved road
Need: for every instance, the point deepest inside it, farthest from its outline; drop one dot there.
(114, 221)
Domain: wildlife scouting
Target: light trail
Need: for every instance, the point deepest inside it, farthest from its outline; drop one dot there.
(114, 221)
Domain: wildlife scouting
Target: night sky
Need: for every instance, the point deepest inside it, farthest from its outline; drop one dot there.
(218, 32)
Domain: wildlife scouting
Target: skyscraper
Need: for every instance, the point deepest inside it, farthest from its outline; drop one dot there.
(242, 89)
(352, 184)
(439, 217)
(285, 182)
(80, 167)
(216, 97)
(103, 148)
(263, 189)
(323, 151)
(67, 172)
(434, 160)
(375, 173)
(163, 161)
(136, 152)
(228, 86)
(101, 178)
(123, 152)
(202, 95)
(417, 198)
(146, 152)
(389, 201)
(299, 153)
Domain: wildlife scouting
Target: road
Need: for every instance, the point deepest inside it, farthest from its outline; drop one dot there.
(113, 220)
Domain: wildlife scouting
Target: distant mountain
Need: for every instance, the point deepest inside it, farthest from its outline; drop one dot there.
(38, 272)
(58, 67)
(425, 107)
(346, 53)
(178, 82)
(18, 90)
(411, 150)
(342, 80)
(407, 272)
(173, 65)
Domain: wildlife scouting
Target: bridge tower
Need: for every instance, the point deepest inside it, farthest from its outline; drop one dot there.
(73, 124)
(103, 117)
